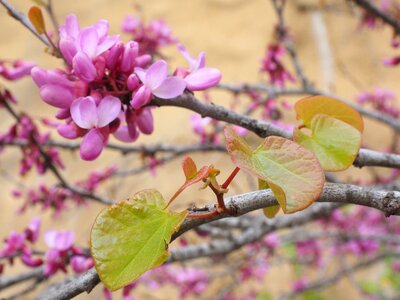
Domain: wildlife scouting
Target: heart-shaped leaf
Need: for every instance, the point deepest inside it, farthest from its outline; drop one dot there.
(192, 175)
(334, 142)
(307, 108)
(292, 172)
(131, 237)
(271, 211)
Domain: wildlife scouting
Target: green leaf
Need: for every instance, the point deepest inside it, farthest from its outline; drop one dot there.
(308, 107)
(312, 295)
(131, 237)
(292, 172)
(271, 211)
(334, 142)
(192, 175)
(264, 296)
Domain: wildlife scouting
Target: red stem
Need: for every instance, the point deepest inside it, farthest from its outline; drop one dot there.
(230, 178)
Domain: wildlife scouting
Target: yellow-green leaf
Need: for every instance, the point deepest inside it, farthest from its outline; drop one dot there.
(307, 108)
(293, 172)
(131, 237)
(36, 17)
(334, 142)
(270, 211)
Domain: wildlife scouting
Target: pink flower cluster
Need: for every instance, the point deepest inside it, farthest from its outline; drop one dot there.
(362, 221)
(381, 100)
(190, 281)
(107, 86)
(62, 251)
(16, 69)
(309, 251)
(272, 109)
(26, 132)
(151, 37)
(208, 129)
(369, 20)
(272, 64)
(20, 245)
(56, 197)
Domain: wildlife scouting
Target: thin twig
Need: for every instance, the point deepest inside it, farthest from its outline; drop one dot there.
(13, 12)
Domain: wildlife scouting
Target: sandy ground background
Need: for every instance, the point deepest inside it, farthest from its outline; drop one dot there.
(234, 34)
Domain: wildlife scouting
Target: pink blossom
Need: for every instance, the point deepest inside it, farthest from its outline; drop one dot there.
(156, 82)
(198, 77)
(95, 118)
(16, 69)
(271, 241)
(30, 261)
(55, 260)
(15, 242)
(89, 42)
(81, 264)
(59, 240)
(59, 243)
(273, 65)
(18, 244)
(300, 284)
(24, 131)
(150, 37)
(191, 281)
(32, 232)
(55, 88)
(382, 100)
(393, 61)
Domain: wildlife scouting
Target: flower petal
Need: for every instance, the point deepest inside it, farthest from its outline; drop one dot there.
(124, 135)
(84, 112)
(106, 44)
(108, 110)
(156, 74)
(201, 61)
(141, 97)
(202, 79)
(56, 95)
(141, 74)
(60, 240)
(69, 131)
(88, 41)
(92, 144)
(101, 28)
(193, 63)
(144, 121)
(170, 88)
(39, 76)
(68, 49)
(71, 27)
(83, 67)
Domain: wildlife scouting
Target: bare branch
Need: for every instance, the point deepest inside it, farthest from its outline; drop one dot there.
(264, 129)
(13, 12)
(388, 202)
(320, 284)
(371, 8)
(275, 92)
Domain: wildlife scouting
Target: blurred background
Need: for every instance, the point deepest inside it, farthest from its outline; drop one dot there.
(234, 35)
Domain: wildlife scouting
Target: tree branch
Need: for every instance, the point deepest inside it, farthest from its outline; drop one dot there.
(330, 280)
(371, 8)
(13, 12)
(264, 129)
(388, 202)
